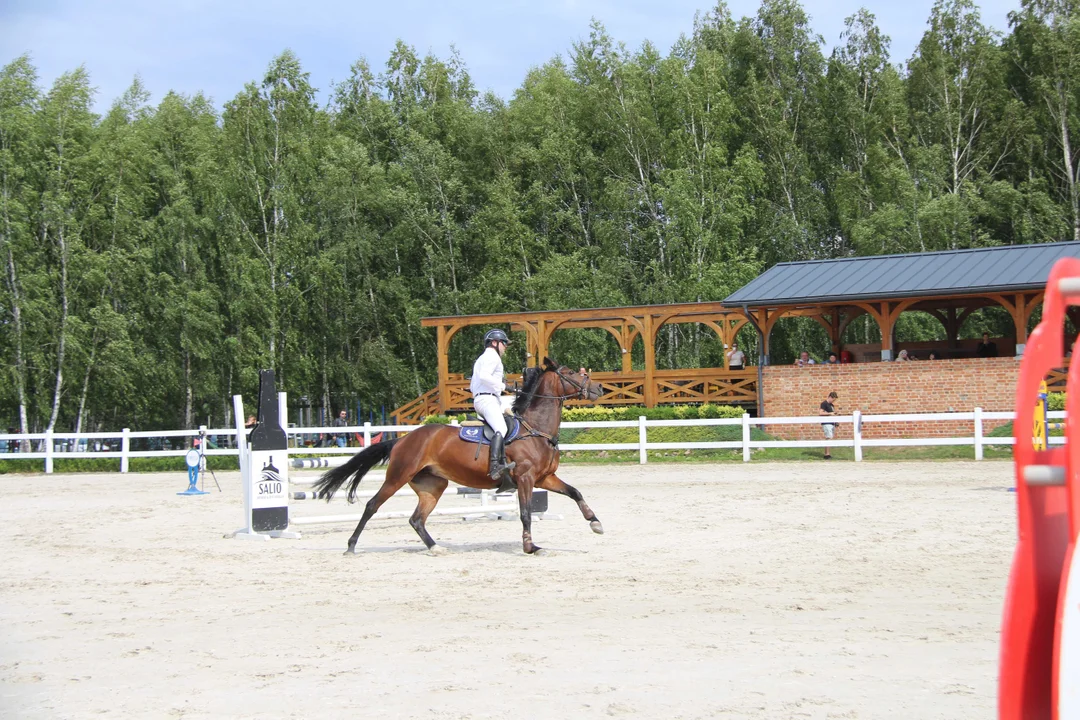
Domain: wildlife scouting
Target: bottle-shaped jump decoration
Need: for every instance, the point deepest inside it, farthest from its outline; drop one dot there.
(269, 462)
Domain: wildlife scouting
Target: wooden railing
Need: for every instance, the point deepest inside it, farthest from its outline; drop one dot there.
(1055, 379)
(671, 387)
(414, 411)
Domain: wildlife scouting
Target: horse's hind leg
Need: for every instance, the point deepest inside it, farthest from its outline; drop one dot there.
(554, 484)
(429, 488)
(395, 480)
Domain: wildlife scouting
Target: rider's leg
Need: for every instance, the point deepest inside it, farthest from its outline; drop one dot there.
(489, 408)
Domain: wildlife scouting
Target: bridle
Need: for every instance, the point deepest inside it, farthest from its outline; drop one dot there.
(582, 389)
(582, 394)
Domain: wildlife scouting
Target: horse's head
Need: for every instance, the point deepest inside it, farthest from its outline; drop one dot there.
(573, 385)
(554, 382)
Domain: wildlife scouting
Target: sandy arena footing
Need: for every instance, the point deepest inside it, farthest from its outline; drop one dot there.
(732, 591)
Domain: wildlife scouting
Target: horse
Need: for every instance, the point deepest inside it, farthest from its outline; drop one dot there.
(429, 457)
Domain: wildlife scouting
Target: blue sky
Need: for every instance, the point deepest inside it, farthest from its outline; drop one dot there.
(218, 45)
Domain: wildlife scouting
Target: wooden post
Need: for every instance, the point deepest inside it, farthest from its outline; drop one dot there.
(542, 340)
(627, 347)
(443, 353)
(532, 346)
(649, 339)
(886, 323)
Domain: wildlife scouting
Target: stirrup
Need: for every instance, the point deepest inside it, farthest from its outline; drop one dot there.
(498, 471)
(506, 480)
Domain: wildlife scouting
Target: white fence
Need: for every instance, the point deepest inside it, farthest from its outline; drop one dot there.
(58, 445)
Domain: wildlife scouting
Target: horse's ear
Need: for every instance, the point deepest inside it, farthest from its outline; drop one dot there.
(550, 364)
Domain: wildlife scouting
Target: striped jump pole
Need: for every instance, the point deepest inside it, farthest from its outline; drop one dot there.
(403, 493)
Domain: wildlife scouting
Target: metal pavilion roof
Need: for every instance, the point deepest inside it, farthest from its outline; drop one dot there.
(1006, 268)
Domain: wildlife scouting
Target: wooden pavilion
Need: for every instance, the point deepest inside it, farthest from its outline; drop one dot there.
(947, 285)
(649, 386)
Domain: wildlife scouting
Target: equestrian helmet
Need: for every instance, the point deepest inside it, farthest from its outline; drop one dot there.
(495, 335)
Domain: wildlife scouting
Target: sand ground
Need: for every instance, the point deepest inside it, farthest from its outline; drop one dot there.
(759, 591)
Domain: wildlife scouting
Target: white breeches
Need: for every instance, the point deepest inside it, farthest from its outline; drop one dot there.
(491, 409)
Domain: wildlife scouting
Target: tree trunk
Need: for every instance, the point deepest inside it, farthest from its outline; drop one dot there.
(1070, 173)
(187, 390)
(62, 344)
(17, 331)
(86, 383)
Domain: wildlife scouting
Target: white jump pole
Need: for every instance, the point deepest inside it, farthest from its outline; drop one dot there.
(247, 532)
(499, 513)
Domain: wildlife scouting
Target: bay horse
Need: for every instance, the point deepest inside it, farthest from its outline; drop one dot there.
(429, 457)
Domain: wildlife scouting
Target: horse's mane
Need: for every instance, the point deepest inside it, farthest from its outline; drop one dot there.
(531, 379)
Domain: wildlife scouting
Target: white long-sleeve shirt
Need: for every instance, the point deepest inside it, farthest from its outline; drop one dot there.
(487, 373)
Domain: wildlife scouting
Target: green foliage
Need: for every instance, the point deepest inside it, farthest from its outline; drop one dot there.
(112, 465)
(1055, 402)
(442, 419)
(156, 256)
(662, 412)
(603, 414)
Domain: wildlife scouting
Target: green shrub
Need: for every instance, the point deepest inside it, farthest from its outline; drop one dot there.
(1055, 402)
(663, 412)
(686, 412)
(442, 419)
(112, 465)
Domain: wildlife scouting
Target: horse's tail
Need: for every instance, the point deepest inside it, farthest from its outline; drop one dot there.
(357, 467)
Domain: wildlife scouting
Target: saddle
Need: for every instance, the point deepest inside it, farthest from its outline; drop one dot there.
(477, 431)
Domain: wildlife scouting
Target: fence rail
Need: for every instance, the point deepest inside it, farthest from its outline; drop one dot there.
(60, 446)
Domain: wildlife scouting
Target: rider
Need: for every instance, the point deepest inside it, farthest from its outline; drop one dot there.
(487, 387)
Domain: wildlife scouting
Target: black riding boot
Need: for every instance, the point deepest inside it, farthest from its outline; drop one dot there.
(498, 468)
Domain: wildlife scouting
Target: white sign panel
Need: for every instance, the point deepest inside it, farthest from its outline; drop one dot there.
(269, 490)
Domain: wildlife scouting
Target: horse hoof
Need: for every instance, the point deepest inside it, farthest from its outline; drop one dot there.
(437, 550)
(540, 552)
(597, 527)
(350, 551)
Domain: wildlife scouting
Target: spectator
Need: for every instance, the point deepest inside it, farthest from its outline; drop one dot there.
(804, 359)
(251, 422)
(832, 359)
(932, 356)
(987, 348)
(340, 421)
(736, 358)
(828, 408)
(903, 356)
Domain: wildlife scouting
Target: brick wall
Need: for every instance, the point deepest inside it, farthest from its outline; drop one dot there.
(893, 387)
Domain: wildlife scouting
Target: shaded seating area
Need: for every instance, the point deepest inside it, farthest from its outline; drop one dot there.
(946, 285)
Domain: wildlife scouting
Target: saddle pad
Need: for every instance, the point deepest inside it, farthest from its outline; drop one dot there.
(482, 435)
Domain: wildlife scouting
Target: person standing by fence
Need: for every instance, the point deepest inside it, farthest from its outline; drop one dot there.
(340, 438)
(828, 408)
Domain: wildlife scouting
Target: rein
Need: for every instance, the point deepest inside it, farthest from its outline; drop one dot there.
(582, 393)
(533, 432)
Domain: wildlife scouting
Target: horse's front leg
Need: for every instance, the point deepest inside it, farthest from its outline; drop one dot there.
(554, 484)
(525, 490)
